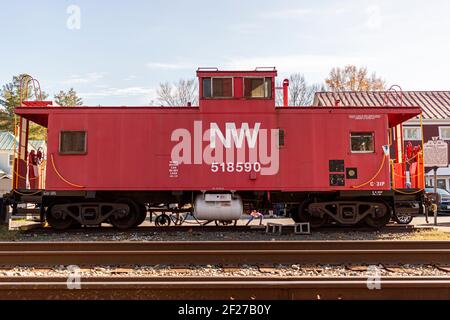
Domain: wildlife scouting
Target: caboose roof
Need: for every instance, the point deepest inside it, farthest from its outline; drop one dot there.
(258, 72)
(39, 115)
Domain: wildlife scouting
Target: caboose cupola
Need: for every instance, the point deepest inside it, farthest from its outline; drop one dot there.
(237, 90)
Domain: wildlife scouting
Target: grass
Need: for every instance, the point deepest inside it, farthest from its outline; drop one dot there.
(428, 235)
(7, 235)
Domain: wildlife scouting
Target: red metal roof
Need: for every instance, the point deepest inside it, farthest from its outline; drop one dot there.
(434, 104)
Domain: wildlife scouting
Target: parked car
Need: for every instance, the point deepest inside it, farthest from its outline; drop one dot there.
(443, 199)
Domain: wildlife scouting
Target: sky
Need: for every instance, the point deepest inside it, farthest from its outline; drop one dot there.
(117, 52)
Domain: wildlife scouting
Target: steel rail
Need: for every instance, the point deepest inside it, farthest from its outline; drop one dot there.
(223, 245)
(196, 288)
(225, 253)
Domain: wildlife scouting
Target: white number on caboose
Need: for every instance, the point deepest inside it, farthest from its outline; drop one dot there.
(377, 184)
(235, 167)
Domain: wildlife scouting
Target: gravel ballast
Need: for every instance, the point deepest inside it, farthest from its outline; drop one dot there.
(237, 271)
(197, 235)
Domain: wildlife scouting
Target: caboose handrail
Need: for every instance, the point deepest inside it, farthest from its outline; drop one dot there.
(25, 81)
(398, 95)
(60, 176)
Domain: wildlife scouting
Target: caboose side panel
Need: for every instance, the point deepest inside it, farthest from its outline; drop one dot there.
(314, 142)
(135, 151)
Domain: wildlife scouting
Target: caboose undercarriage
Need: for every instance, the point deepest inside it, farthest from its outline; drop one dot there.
(128, 209)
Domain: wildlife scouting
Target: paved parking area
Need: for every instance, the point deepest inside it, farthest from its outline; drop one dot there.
(443, 222)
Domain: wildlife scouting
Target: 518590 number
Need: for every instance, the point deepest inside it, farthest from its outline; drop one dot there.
(235, 167)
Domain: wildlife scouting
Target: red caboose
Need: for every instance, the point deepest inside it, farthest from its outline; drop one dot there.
(233, 152)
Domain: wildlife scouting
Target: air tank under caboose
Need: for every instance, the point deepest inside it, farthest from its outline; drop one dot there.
(218, 206)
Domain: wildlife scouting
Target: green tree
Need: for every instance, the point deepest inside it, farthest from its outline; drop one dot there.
(69, 98)
(10, 99)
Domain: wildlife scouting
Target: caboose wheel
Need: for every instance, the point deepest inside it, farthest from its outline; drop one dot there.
(58, 219)
(304, 215)
(141, 215)
(125, 219)
(382, 216)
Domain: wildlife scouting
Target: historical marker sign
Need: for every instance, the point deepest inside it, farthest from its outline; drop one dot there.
(435, 153)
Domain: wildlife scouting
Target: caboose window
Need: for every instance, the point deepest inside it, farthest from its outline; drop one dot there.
(361, 142)
(72, 142)
(257, 87)
(222, 87)
(217, 87)
(207, 87)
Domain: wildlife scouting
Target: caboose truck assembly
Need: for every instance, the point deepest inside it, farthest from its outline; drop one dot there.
(234, 152)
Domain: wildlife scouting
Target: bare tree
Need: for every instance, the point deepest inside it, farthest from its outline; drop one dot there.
(300, 92)
(180, 93)
(352, 78)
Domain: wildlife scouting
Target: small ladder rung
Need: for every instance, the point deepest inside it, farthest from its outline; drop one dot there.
(28, 211)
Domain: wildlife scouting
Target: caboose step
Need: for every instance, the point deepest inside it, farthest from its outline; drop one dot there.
(28, 211)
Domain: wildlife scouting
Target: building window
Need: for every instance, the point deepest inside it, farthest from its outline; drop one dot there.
(11, 160)
(217, 87)
(361, 142)
(257, 87)
(412, 133)
(441, 183)
(444, 133)
(72, 142)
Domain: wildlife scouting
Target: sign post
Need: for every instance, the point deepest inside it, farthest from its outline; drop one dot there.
(435, 156)
(435, 192)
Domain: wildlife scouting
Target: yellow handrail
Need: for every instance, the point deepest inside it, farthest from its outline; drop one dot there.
(376, 174)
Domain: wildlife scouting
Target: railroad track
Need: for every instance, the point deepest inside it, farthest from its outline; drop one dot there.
(195, 288)
(38, 228)
(224, 253)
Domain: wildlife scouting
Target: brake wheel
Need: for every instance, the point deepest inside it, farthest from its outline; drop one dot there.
(162, 220)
